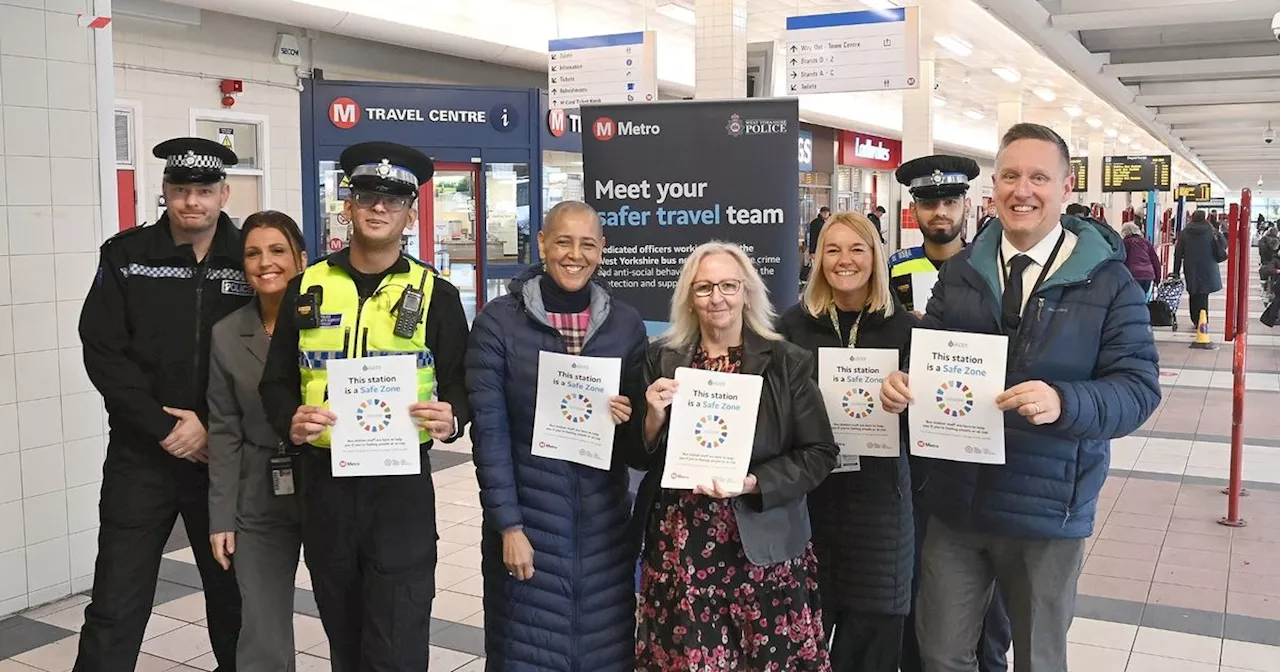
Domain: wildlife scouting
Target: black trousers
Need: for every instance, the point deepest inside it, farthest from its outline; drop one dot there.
(863, 642)
(143, 491)
(1198, 303)
(371, 549)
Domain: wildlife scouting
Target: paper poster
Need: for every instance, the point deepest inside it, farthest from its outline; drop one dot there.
(850, 380)
(955, 379)
(712, 429)
(374, 434)
(922, 289)
(571, 421)
(227, 137)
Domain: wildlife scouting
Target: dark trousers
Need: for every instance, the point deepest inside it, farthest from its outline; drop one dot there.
(1146, 286)
(997, 632)
(863, 642)
(1198, 303)
(143, 491)
(371, 549)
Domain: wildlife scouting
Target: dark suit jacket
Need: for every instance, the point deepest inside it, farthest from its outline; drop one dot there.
(241, 442)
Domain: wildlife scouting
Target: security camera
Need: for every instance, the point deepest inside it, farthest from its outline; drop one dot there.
(1268, 136)
(1275, 25)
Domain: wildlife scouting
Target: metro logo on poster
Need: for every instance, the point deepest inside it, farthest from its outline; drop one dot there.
(603, 129)
(344, 112)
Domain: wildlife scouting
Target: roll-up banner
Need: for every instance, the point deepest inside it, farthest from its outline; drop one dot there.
(667, 177)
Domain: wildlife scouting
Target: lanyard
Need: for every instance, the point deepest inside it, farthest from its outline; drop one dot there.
(853, 332)
(1044, 272)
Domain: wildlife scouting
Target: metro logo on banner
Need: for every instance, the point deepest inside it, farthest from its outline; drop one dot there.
(737, 185)
(344, 113)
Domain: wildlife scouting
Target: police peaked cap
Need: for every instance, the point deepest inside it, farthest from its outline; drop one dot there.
(939, 176)
(386, 168)
(194, 160)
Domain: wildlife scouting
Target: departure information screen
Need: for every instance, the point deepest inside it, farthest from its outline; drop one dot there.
(1137, 173)
(1202, 191)
(1080, 168)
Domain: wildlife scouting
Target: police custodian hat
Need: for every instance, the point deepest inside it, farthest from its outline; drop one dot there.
(930, 178)
(194, 160)
(386, 168)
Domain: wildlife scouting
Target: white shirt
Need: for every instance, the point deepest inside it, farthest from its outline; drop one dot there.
(1039, 257)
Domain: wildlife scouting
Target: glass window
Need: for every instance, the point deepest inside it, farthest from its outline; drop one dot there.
(561, 178)
(241, 137)
(454, 212)
(506, 213)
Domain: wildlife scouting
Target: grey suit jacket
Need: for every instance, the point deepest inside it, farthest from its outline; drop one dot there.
(241, 442)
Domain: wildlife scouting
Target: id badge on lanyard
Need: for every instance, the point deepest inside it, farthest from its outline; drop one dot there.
(281, 472)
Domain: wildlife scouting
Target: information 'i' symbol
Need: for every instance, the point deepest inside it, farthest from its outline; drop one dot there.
(711, 431)
(373, 415)
(576, 408)
(858, 403)
(955, 399)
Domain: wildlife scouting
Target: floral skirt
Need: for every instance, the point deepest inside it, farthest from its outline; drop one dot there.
(703, 606)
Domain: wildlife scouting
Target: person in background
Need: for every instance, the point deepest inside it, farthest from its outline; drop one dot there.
(1078, 210)
(1082, 370)
(729, 577)
(1268, 251)
(989, 214)
(875, 217)
(863, 531)
(1202, 249)
(145, 329)
(939, 186)
(370, 540)
(559, 573)
(253, 516)
(1140, 256)
(814, 228)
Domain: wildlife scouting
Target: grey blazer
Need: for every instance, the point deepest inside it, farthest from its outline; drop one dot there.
(241, 442)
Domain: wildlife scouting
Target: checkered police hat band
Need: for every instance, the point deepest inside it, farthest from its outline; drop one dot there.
(386, 171)
(193, 161)
(939, 179)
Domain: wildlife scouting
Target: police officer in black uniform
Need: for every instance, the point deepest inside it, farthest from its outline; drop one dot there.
(145, 329)
(939, 185)
(370, 540)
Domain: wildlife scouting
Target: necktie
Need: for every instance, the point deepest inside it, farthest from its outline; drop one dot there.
(1011, 303)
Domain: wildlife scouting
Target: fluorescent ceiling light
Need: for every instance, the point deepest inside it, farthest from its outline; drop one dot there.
(954, 45)
(1045, 94)
(1073, 111)
(1094, 122)
(939, 101)
(1124, 139)
(1007, 74)
(1111, 132)
(974, 115)
(677, 12)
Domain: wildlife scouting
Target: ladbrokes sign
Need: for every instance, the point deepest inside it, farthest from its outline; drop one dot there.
(869, 151)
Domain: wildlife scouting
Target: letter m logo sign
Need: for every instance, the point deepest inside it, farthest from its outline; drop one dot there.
(344, 113)
(603, 129)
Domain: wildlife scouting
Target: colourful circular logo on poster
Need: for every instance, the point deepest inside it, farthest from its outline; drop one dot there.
(857, 403)
(576, 408)
(373, 415)
(711, 431)
(955, 399)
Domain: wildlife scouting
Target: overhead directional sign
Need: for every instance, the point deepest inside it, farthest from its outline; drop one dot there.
(603, 69)
(873, 50)
(1137, 173)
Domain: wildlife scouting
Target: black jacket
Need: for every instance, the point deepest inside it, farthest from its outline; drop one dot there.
(793, 450)
(863, 530)
(146, 322)
(1202, 248)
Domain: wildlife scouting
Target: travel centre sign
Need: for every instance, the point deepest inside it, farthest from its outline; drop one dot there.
(346, 113)
(869, 151)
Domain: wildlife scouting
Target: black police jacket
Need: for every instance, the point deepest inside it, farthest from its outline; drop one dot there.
(146, 322)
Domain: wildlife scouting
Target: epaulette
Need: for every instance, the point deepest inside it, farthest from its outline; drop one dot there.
(906, 254)
(131, 231)
(421, 263)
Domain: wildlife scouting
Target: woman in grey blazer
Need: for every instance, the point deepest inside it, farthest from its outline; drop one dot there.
(253, 515)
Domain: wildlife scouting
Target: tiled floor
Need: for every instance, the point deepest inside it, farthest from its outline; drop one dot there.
(1164, 588)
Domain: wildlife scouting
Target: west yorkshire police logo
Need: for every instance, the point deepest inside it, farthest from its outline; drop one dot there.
(384, 169)
(734, 126)
(937, 177)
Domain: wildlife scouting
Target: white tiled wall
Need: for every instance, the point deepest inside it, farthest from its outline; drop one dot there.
(51, 435)
(720, 49)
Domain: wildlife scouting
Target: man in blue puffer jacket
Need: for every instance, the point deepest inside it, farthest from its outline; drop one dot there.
(1082, 370)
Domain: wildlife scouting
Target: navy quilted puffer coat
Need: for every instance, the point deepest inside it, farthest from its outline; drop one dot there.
(577, 613)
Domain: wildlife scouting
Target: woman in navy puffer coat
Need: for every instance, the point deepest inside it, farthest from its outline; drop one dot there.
(558, 567)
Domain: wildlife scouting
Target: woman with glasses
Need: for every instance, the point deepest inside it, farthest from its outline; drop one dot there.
(728, 577)
(252, 526)
(862, 520)
(559, 579)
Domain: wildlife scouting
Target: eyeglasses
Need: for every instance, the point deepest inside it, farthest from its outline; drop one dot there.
(369, 200)
(727, 288)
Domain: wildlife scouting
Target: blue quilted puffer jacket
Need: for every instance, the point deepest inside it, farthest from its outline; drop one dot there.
(1086, 332)
(577, 613)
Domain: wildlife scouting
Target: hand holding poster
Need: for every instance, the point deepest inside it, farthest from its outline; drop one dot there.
(571, 421)
(374, 434)
(955, 379)
(712, 429)
(850, 379)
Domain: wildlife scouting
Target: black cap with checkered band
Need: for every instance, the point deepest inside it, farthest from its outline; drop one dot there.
(386, 168)
(194, 160)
